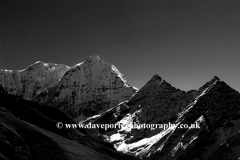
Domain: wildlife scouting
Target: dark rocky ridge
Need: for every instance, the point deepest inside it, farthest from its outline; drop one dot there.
(220, 110)
(215, 106)
(28, 131)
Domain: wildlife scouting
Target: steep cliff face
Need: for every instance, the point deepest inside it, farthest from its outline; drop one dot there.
(87, 89)
(214, 108)
(26, 83)
(218, 112)
(28, 132)
(93, 86)
(80, 91)
(155, 103)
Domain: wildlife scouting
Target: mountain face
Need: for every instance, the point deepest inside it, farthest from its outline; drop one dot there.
(87, 89)
(80, 91)
(26, 83)
(33, 100)
(28, 132)
(214, 108)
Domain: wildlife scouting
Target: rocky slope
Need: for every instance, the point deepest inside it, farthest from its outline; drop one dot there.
(80, 91)
(87, 89)
(215, 107)
(28, 132)
(95, 87)
(28, 82)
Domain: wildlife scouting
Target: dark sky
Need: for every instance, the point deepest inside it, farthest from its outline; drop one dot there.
(186, 42)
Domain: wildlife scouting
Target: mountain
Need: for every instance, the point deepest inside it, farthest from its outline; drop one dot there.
(26, 83)
(214, 108)
(205, 123)
(28, 132)
(80, 91)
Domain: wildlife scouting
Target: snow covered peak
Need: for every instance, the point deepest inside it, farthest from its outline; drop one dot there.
(92, 60)
(79, 91)
(40, 65)
(38, 62)
(29, 81)
(36, 65)
(88, 88)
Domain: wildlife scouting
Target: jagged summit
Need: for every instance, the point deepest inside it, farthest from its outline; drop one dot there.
(27, 82)
(92, 87)
(155, 86)
(215, 107)
(209, 84)
(38, 62)
(216, 78)
(155, 81)
(40, 65)
(34, 65)
(85, 87)
(156, 77)
(91, 60)
(81, 90)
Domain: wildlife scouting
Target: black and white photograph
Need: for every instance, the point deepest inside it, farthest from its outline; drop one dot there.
(119, 80)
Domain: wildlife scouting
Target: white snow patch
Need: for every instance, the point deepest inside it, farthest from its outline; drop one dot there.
(53, 68)
(119, 75)
(79, 64)
(6, 70)
(145, 144)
